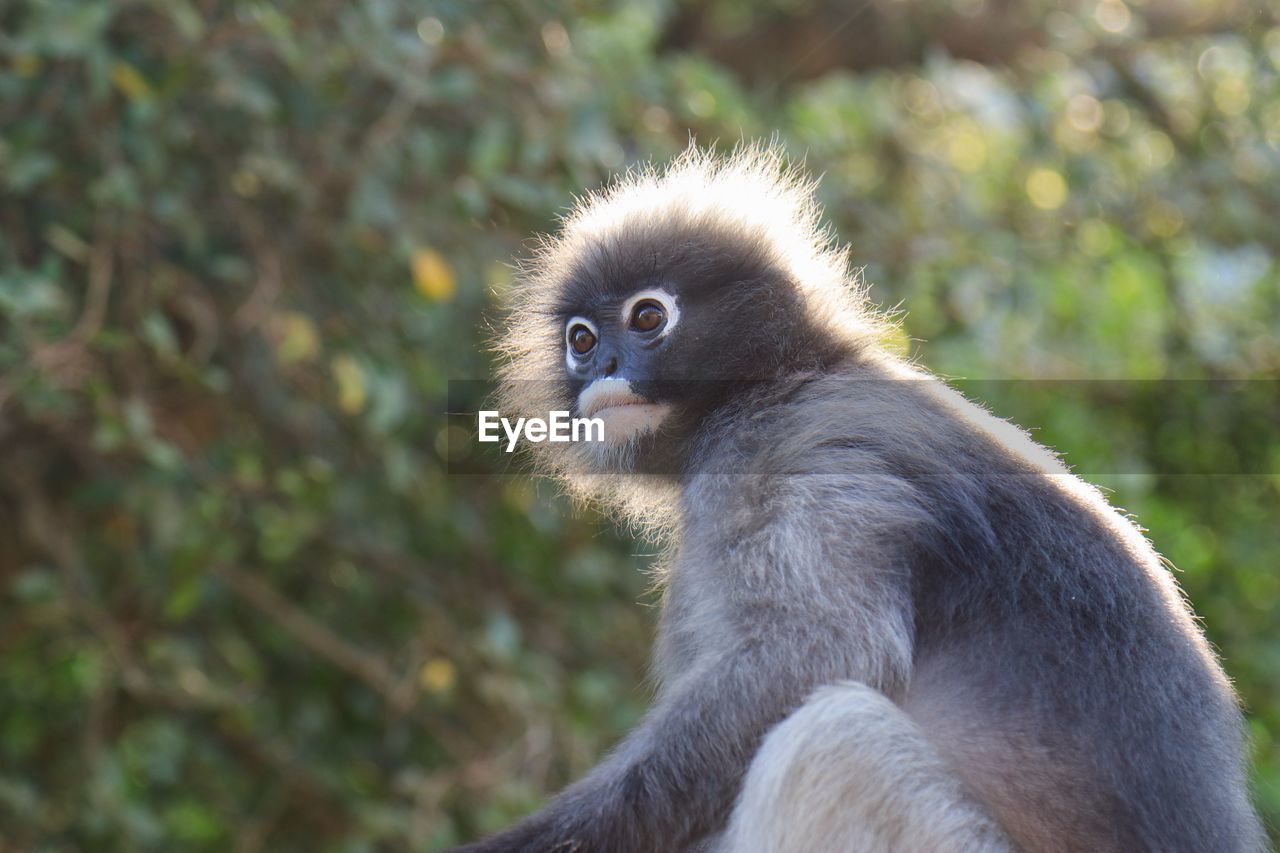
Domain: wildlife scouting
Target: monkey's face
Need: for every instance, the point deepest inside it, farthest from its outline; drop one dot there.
(651, 357)
(614, 356)
(664, 306)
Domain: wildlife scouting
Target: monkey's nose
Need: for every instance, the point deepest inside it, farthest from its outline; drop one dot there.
(611, 366)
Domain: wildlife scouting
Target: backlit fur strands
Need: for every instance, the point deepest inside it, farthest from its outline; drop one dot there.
(752, 199)
(890, 620)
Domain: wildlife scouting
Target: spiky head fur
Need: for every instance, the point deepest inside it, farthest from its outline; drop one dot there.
(751, 203)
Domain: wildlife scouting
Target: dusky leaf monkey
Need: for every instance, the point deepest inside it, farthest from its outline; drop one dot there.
(891, 621)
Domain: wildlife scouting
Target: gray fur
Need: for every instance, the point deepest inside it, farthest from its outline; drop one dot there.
(844, 517)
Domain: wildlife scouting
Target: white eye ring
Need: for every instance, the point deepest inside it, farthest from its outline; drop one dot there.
(663, 298)
(569, 354)
(579, 321)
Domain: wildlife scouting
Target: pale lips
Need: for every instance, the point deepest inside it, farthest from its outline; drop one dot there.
(607, 394)
(625, 413)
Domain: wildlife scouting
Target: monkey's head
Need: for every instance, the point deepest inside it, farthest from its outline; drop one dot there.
(664, 297)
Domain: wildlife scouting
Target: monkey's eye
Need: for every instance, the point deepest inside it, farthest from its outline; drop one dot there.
(581, 339)
(647, 315)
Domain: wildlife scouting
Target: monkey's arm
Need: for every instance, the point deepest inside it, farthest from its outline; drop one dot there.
(674, 778)
(808, 591)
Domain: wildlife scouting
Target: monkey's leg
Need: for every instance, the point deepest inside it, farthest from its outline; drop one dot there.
(849, 771)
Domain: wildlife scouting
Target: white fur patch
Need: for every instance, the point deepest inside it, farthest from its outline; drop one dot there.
(626, 414)
(849, 771)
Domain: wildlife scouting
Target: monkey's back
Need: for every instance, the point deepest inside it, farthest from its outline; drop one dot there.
(1055, 662)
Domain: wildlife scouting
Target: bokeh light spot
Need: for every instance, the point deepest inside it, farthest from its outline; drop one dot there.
(1113, 16)
(1046, 188)
(1085, 113)
(967, 151)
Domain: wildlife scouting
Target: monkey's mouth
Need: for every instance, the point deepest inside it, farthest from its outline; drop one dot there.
(624, 412)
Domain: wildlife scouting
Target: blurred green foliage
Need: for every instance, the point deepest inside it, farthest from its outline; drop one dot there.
(245, 245)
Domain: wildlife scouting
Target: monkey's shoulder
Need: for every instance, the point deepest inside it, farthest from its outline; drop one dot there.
(860, 421)
(861, 456)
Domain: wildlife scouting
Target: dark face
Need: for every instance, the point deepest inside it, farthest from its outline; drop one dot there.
(622, 340)
(651, 353)
(616, 350)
